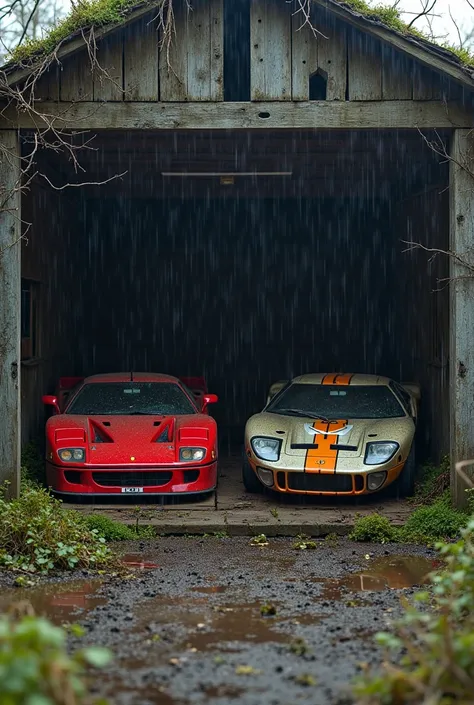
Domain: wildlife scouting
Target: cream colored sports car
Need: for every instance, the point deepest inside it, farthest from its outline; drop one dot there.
(333, 434)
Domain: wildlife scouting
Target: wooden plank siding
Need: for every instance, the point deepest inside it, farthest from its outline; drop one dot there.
(461, 289)
(326, 52)
(140, 61)
(284, 55)
(270, 51)
(10, 274)
(193, 70)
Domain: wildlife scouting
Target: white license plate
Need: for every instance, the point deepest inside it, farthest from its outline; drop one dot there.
(132, 490)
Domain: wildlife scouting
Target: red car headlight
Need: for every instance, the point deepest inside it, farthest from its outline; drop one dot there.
(72, 455)
(189, 454)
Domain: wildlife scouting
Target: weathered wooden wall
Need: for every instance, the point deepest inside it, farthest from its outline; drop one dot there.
(423, 321)
(10, 233)
(461, 242)
(51, 223)
(283, 57)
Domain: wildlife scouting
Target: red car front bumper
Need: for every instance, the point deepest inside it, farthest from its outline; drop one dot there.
(127, 481)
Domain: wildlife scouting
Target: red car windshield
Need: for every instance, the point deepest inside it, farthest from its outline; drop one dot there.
(131, 398)
(338, 402)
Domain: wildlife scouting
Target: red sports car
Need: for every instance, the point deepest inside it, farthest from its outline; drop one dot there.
(131, 433)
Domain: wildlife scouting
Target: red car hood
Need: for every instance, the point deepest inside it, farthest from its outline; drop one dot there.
(131, 440)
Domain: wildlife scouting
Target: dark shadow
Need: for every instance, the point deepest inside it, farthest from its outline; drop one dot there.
(318, 85)
(236, 50)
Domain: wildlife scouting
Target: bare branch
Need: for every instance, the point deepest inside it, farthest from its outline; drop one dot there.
(82, 183)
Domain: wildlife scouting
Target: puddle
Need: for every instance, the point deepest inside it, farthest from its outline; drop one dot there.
(198, 625)
(388, 572)
(135, 560)
(60, 603)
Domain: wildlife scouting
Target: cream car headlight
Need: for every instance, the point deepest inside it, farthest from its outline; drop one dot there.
(190, 454)
(266, 448)
(380, 452)
(72, 455)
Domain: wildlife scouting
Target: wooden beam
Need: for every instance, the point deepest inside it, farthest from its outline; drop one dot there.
(461, 354)
(412, 47)
(321, 115)
(10, 277)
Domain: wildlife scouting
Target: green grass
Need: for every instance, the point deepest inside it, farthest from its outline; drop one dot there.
(112, 530)
(97, 13)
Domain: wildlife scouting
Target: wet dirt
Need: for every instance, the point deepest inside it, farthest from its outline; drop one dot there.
(190, 631)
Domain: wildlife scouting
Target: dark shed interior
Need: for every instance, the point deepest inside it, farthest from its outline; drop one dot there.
(245, 257)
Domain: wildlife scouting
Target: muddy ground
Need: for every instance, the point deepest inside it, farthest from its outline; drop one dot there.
(190, 630)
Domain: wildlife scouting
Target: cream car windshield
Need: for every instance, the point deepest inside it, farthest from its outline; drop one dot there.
(337, 402)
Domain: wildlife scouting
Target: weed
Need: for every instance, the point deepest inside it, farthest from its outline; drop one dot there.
(260, 540)
(267, 610)
(430, 654)
(221, 535)
(35, 665)
(246, 671)
(299, 647)
(332, 540)
(432, 482)
(304, 542)
(373, 528)
(38, 535)
(112, 530)
(305, 679)
(32, 465)
(274, 512)
(434, 522)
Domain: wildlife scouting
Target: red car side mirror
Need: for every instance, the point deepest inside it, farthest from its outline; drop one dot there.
(209, 399)
(50, 400)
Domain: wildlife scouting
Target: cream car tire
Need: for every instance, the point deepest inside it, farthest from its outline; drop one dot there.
(251, 482)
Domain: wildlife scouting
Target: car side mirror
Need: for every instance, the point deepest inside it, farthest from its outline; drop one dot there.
(50, 400)
(209, 399)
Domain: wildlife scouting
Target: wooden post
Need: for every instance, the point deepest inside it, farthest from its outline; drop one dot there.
(10, 277)
(462, 307)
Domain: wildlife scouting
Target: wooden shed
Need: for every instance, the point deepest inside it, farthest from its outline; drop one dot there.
(247, 195)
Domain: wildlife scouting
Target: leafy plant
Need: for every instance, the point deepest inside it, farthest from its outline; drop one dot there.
(112, 530)
(35, 667)
(373, 528)
(434, 522)
(260, 540)
(268, 610)
(37, 535)
(299, 647)
(274, 512)
(304, 542)
(430, 651)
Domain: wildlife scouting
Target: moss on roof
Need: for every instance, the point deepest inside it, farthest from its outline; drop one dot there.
(83, 15)
(98, 13)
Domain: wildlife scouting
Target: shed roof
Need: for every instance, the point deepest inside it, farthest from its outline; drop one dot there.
(106, 16)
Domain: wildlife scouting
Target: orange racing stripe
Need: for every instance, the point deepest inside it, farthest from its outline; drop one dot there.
(323, 458)
(339, 379)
